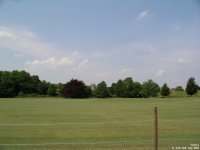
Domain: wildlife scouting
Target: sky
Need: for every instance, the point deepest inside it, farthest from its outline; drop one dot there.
(96, 40)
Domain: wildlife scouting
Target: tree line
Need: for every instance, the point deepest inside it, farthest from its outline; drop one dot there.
(21, 83)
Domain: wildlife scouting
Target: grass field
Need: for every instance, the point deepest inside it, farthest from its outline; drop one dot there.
(97, 124)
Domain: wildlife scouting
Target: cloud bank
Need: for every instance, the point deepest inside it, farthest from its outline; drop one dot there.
(26, 42)
(141, 60)
(144, 14)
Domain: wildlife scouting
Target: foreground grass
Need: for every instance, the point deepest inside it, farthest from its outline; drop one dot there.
(97, 123)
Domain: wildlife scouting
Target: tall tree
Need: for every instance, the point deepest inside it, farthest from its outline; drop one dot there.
(127, 87)
(165, 91)
(150, 89)
(42, 87)
(89, 91)
(191, 87)
(131, 89)
(137, 87)
(198, 87)
(51, 90)
(112, 89)
(24, 82)
(60, 89)
(15, 82)
(118, 88)
(7, 88)
(102, 90)
(35, 81)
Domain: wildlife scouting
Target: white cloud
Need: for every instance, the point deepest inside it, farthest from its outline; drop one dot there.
(145, 14)
(104, 74)
(142, 47)
(187, 56)
(75, 53)
(18, 55)
(45, 59)
(7, 35)
(125, 70)
(26, 42)
(83, 63)
(182, 60)
(65, 61)
(160, 72)
(51, 62)
(146, 59)
(74, 63)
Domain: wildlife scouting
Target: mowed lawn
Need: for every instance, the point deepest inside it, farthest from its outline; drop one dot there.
(97, 124)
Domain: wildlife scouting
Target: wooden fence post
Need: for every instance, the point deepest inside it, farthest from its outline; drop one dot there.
(155, 129)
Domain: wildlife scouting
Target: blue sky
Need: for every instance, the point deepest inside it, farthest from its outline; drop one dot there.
(95, 40)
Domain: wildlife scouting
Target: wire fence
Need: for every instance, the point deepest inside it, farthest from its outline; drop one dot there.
(58, 126)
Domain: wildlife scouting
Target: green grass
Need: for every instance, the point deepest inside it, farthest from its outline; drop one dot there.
(98, 124)
(182, 94)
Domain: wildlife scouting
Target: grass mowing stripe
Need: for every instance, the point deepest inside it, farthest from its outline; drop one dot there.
(74, 143)
(94, 143)
(87, 123)
(83, 123)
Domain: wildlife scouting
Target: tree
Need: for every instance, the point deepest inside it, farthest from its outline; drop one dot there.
(131, 89)
(127, 90)
(35, 81)
(89, 91)
(150, 89)
(198, 87)
(24, 82)
(112, 89)
(6, 85)
(60, 89)
(137, 87)
(165, 91)
(191, 87)
(179, 88)
(42, 87)
(93, 89)
(16, 82)
(51, 90)
(102, 90)
(118, 88)
(75, 89)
